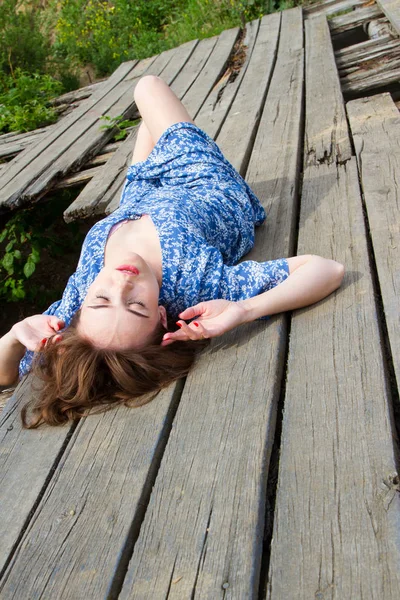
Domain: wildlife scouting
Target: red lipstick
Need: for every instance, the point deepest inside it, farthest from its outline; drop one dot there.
(128, 269)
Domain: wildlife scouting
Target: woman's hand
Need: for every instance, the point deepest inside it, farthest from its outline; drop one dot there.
(213, 318)
(34, 331)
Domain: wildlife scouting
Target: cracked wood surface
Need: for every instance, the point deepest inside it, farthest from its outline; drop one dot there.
(38, 159)
(391, 8)
(204, 525)
(337, 506)
(375, 125)
(327, 139)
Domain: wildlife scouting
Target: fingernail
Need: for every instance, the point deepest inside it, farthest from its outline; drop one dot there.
(179, 325)
(195, 324)
(44, 340)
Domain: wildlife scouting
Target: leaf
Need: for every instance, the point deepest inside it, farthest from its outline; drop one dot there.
(29, 268)
(10, 246)
(3, 235)
(17, 254)
(8, 261)
(35, 255)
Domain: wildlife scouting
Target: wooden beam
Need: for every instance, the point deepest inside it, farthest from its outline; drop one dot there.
(375, 126)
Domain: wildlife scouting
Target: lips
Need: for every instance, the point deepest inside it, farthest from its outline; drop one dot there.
(129, 269)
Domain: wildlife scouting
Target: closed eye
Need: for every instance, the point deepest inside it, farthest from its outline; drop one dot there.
(129, 303)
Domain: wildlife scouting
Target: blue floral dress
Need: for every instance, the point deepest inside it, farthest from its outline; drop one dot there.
(204, 213)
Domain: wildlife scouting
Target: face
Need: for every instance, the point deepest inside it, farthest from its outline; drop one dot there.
(121, 308)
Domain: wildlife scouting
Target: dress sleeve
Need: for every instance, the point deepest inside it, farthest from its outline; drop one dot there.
(63, 309)
(250, 278)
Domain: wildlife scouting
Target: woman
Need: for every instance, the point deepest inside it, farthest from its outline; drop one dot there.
(169, 252)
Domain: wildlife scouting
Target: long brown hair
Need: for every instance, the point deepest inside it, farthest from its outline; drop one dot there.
(76, 376)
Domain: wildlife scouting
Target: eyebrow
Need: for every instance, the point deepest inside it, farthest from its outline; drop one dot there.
(134, 312)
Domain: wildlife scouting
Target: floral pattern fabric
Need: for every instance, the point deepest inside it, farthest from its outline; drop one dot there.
(204, 213)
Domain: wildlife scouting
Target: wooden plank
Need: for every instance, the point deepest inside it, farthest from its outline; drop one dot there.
(26, 460)
(353, 19)
(337, 509)
(330, 7)
(26, 158)
(179, 60)
(99, 192)
(211, 71)
(375, 126)
(250, 97)
(375, 79)
(327, 134)
(377, 49)
(391, 8)
(218, 102)
(189, 73)
(202, 532)
(92, 506)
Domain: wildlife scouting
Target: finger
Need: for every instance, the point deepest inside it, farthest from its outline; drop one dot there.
(193, 311)
(56, 323)
(201, 330)
(56, 338)
(189, 331)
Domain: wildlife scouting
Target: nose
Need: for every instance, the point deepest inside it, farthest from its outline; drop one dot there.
(122, 281)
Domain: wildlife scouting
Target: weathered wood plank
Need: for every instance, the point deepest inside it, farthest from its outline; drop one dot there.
(202, 532)
(377, 49)
(179, 60)
(337, 507)
(353, 19)
(91, 509)
(326, 130)
(218, 102)
(190, 71)
(26, 460)
(213, 68)
(375, 79)
(25, 159)
(391, 8)
(375, 126)
(331, 7)
(250, 97)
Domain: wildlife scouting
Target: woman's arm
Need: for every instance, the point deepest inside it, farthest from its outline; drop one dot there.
(311, 278)
(11, 352)
(28, 334)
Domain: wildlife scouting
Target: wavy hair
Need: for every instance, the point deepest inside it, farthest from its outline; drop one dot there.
(76, 376)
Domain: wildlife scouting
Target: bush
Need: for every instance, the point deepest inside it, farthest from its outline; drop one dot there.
(24, 101)
(22, 45)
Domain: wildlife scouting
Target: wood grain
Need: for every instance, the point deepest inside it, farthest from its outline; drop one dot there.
(391, 8)
(92, 506)
(218, 102)
(327, 138)
(209, 74)
(375, 126)
(246, 108)
(202, 533)
(337, 506)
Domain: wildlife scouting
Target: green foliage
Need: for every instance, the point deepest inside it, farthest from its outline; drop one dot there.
(20, 256)
(25, 239)
(22, 44)
(118, 123)
(24, 101)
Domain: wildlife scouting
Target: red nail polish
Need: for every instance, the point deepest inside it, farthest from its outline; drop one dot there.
(44, 340)
(179, 325)
(195, 324)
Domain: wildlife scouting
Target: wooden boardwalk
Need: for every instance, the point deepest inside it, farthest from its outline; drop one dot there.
(180, 498)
